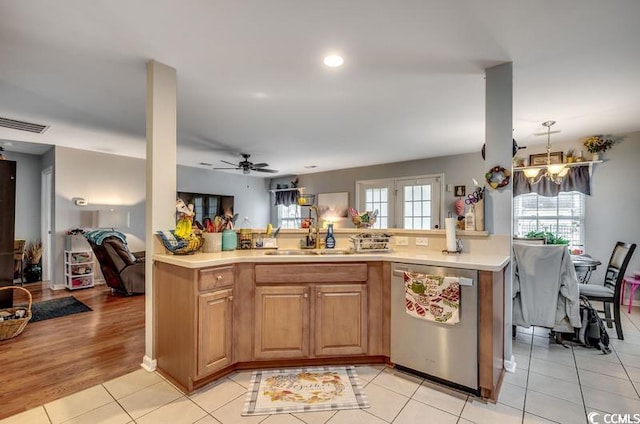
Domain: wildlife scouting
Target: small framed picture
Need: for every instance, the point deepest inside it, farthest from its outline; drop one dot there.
(460, 191)
(541, 159)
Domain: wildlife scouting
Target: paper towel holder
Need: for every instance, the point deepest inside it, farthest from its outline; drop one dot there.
(457, 251)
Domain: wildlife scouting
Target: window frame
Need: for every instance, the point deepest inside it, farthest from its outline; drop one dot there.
(396, 199)
(580, 218)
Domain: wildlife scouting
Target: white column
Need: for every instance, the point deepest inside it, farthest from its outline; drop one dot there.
(498, 203)
(161, 181)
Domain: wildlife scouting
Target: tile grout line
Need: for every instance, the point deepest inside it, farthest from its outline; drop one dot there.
(118, 403)
(526, 390)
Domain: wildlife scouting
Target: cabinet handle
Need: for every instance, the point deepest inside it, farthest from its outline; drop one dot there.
(230, 298)
(305, 295)
(219, 278)
(319, 294)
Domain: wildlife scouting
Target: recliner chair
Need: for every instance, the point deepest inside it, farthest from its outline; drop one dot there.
(123, 271)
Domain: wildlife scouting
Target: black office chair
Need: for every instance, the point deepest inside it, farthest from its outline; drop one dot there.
(609, 292)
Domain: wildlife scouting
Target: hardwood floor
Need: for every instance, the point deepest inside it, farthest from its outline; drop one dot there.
(54, 358)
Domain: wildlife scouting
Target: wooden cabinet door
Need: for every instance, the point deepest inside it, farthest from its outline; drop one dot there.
(215, 331)
(281, 322)
(340, 319)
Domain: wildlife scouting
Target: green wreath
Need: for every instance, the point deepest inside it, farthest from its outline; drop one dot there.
(498, 177)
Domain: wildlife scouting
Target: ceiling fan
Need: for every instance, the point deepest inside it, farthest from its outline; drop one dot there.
(247, 166)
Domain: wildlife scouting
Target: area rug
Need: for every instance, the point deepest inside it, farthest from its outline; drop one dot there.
(309, 389)
(55, 308)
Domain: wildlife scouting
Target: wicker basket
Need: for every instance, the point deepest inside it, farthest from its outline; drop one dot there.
(13, 327)
(181, 246)
(306, 199)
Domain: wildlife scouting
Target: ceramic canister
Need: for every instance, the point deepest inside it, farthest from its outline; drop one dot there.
(229, 240)
(212, 242)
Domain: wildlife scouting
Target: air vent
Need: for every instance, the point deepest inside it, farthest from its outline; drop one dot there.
(22, 126)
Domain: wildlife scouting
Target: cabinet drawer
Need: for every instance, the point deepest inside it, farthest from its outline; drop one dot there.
(213, 278)
(311, 273)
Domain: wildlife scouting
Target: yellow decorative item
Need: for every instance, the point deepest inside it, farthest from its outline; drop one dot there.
(183, 228)
(597, 143)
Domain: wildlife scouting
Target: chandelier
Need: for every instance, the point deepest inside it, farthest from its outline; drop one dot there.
(553, 172)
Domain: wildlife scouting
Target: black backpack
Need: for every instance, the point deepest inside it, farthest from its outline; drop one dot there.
(593, 332)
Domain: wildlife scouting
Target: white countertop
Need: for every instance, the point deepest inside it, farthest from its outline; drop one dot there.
(482, 262)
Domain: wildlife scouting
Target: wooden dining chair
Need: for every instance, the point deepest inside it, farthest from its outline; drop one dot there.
(18, 259)
(609, 292)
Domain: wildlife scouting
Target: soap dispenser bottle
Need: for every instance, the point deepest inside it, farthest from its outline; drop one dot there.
(330, 240)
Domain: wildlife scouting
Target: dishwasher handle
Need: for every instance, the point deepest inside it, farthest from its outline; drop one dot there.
(400, 271)
(464, 281)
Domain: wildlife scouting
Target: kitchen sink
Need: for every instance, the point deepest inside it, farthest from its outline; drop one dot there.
(332, 252)
(289, 252)
(308, 252)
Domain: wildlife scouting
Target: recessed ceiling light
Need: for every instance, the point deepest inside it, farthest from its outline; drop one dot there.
(333, 61)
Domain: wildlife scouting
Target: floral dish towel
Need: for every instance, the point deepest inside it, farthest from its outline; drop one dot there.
(432, 297)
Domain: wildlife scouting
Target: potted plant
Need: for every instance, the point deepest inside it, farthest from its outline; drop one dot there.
(596, 144)
(33, 255)
(570, 157)
(548, 236)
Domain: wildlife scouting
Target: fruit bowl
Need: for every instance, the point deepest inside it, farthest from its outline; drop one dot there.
(180, 246)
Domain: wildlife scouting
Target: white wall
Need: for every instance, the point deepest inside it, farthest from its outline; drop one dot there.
(458, 170)
(103, 180)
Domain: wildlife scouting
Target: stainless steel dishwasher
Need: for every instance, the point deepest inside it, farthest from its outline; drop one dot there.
(443, 352)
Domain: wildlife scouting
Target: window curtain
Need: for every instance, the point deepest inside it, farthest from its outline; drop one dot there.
(287, 197)
(577, 179)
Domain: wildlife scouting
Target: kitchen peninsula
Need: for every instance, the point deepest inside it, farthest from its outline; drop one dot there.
(220, 312)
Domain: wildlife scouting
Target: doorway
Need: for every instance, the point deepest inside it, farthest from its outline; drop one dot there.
(46, 185)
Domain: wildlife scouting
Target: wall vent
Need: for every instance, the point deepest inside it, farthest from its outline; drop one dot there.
(22, 125)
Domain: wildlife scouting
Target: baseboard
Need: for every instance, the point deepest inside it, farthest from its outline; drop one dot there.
(510, 366)
(57, 287)
(149, 364)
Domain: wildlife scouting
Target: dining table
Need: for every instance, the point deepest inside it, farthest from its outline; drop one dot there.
(584, 265)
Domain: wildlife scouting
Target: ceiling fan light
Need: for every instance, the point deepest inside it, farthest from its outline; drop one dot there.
(246, 170)
(556, 169)
(531, 172)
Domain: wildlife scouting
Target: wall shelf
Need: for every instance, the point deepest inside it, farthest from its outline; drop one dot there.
(572, 164)
(275, 190)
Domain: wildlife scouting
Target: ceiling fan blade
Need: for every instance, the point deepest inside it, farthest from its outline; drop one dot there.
(260, 165)
(551, 132)
(230, 163)
(226, 168)
(273, 171)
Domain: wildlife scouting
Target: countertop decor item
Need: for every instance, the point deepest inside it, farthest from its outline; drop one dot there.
(180, 246)
(363, 220)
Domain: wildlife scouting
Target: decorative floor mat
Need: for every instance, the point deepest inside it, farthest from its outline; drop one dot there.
(303, 390)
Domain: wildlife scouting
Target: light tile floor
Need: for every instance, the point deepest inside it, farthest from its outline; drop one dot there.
(552, 384)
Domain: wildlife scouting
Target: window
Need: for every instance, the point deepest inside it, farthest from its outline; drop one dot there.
(288, 216)
(412, 203)
(378, 199)
(562, 215)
